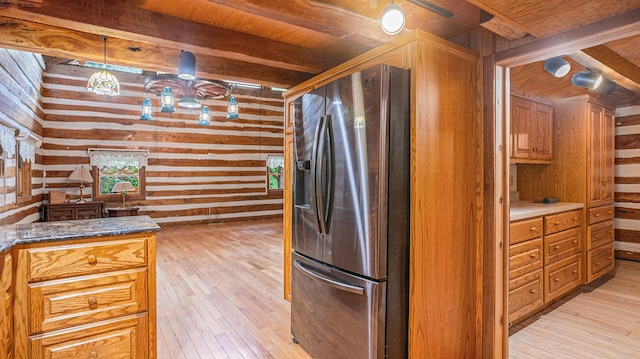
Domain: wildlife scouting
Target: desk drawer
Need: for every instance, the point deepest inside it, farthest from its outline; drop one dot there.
(525, 295)
(562, 245)
(84, 259)
(599, 214)
(599, 234)
(562, 277)
(559, 222)
(525, 230)
(65, 303)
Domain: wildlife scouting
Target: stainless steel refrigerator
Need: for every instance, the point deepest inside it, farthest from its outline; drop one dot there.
(349, 281)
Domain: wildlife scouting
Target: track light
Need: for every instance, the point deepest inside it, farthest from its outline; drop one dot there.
(557, 66)
(392, 20)
(586, 79)
(606, 87)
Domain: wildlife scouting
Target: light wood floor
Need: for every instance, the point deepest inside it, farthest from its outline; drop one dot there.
(600, 321)
(220, 292)
(220, 296)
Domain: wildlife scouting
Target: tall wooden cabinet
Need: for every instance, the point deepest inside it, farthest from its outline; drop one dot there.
(582, 171)
(445, 296)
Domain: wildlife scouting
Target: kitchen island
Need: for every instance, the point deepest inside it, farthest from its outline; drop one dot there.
(83, 288)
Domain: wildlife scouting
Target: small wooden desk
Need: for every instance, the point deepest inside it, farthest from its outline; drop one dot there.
(122, 211)
(69, 211)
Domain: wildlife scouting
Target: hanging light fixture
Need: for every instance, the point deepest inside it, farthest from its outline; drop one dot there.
(205, 117)
(232, 109)
(187, 66)
(557, 66)
(586, 79)
(146, 110)
(104, 82)
(392, 20)
(167, 100)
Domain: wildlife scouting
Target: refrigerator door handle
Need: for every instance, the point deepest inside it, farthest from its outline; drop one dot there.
(320, 170)
(314, 174)
(328, 204)
(330, 281)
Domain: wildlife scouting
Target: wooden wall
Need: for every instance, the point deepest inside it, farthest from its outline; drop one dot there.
(627, 183)
(195, 173)
(21, 108)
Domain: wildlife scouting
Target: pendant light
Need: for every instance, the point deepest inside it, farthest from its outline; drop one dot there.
(187, 66)
(104, 82)
(146, 110)
(232, 109)
(205, 117)
(392, 20)
(167, 100)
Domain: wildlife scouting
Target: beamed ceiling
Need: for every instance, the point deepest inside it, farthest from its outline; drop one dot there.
(282, 43)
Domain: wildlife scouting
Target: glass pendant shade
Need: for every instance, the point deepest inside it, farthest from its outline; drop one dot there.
(205, 117)
(392, 20)
(167, 100)
(146, 110)
(232, 109)
(104, 82)
(187, 66)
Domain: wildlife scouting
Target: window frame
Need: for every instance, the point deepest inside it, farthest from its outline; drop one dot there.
(114, 197)
(280, 175)
(23, 178)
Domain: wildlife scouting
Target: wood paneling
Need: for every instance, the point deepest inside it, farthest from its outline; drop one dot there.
(195, 173)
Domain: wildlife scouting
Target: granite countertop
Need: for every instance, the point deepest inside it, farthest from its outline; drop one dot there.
(12, 235)
(527, 209)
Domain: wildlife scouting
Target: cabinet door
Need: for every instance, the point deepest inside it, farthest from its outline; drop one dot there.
(542, 129)
(600, 155)
(521, 119)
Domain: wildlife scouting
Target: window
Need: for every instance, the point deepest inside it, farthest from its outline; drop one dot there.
(111, 166)
(25, 154)
(275, 172)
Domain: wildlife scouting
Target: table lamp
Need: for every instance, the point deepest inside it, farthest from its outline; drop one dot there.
(122, 187)
(83, 176)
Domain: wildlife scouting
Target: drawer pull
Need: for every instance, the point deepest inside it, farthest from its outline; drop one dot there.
(556, 247)
(92, 301)
(597, 235)
(556, 279)
(575, 241)
(532, 291)
(609, 212)
(533, 255)
(574, 271)
(93, 354)
(557, 223)
(597, 264)
(92, 259)
(533, 228)
(609, 257)
(575, 219)
(597, 214)
(609, 232)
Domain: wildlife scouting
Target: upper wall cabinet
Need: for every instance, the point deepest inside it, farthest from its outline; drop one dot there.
(531, 131)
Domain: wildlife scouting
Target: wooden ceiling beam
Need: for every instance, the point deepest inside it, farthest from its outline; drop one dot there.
(611, 64)
(122, 19)
(317, 16)
(59, 42)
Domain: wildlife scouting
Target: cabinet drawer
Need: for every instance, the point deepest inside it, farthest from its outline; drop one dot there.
(562, 245)
(599, 234)
(525, 295)
(559, 222)
(525, 257)
(599, 214)
(88, 213)
(600, 261)
(123, 339)
(65, 303)
(60, 214)
(562, 277)
(83, 259)
(525, 230)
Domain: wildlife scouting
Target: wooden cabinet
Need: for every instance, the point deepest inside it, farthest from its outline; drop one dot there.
(89, 298)
(71, 211)
(531, 131)
(122, 211)
(6, 305)
(545, 261)
(446, 133)
(600, 155)
(600, 237)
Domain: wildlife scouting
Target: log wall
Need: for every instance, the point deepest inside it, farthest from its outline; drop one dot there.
(21, 108)
(195, 173)
(627, 183)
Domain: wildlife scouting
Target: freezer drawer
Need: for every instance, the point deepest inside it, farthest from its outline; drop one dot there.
(335, 314)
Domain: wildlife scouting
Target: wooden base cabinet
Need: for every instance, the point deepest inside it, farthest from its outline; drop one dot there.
(87, 298)
(6, 305)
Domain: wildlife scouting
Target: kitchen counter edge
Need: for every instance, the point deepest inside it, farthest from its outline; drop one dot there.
(37, 232)
(519, 210)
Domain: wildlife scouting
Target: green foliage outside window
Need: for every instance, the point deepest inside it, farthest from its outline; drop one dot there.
(275, 178)
(110, 175)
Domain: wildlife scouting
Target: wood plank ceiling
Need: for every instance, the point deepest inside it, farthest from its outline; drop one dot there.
(282, 43)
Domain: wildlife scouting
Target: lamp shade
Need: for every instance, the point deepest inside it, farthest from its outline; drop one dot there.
(557, 66)
(123, 186)
(187, 66)
(104, 83)
(392, 20)
(586, 79)
(81, 175)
